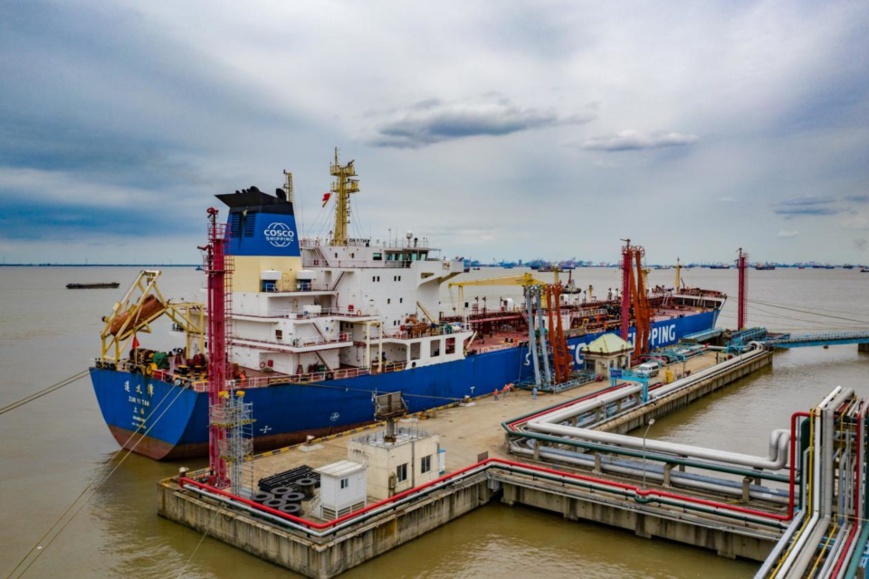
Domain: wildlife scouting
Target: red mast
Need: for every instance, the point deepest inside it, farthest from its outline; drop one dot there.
(217, 269)
(627, 266)
(642, 313)
(742, 266)
(560, 354)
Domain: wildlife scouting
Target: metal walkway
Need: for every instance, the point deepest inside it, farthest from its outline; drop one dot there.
(740, 341)
(816, 339)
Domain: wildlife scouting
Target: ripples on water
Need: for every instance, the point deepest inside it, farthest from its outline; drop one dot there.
(54, 447)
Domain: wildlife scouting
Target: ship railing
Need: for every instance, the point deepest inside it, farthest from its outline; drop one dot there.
(402, 243)
(196, 380)
(319, 376)
(694, 291)
(304, 377)
(495, 347)
(310, 287)
(391, 367)
(420, 331)
(300, 342)
(308, 377)
(301, 314)
(199, 382)
(343, 263)
(322, 242)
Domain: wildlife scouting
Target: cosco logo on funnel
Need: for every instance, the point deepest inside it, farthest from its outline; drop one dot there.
(279, 234)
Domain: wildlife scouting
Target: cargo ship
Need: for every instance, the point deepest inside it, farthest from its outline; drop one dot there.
(316, 328)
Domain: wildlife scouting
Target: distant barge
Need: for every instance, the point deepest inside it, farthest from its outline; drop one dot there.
(104, 285)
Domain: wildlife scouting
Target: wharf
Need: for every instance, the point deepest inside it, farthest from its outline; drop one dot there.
(479, 468)
(468, 432)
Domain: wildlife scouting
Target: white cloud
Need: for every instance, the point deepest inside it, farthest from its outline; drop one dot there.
(631, 140)
(857, 220)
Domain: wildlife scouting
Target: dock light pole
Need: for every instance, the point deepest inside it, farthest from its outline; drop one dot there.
(651, 422)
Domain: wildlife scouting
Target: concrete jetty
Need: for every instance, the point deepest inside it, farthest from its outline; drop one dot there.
(470, 466)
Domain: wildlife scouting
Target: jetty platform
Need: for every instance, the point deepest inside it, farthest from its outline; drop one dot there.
(477, 462)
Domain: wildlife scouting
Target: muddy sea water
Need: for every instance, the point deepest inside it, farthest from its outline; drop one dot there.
(73, 505)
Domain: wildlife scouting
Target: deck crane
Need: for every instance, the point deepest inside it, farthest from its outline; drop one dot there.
(524, 280)
(141, 305)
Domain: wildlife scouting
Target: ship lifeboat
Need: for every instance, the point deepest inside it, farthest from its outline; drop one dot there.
(134, 317)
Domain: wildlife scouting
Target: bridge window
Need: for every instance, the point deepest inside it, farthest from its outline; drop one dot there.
(377, 257)
(401, 472)
(425, 464)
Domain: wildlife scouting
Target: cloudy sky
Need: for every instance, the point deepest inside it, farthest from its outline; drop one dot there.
(498, 130)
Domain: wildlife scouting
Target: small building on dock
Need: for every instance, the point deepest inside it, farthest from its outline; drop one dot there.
(606, 352)
(396, 463)
(342, 489)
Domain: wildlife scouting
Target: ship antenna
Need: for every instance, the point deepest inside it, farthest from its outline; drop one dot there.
(342, 187)
(288, 186)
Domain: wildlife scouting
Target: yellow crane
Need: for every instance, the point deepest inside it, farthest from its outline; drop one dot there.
(142, 304)
(524, 280)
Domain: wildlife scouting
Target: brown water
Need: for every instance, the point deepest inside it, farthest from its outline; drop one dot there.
(54, 450)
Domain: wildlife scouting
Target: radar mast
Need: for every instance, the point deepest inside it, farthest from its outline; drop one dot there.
(342, 187)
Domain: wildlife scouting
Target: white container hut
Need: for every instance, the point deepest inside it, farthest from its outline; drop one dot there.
(342, 489)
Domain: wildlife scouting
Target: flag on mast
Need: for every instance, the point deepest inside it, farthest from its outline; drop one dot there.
(326, 198)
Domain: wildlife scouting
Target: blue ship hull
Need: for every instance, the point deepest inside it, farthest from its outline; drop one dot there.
(164, 421)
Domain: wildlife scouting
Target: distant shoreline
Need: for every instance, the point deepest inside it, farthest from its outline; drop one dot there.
(100, 264)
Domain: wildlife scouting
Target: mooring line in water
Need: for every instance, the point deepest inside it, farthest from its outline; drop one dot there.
(766, 313)
(84, 497)
(41, 393)
(814, 312)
